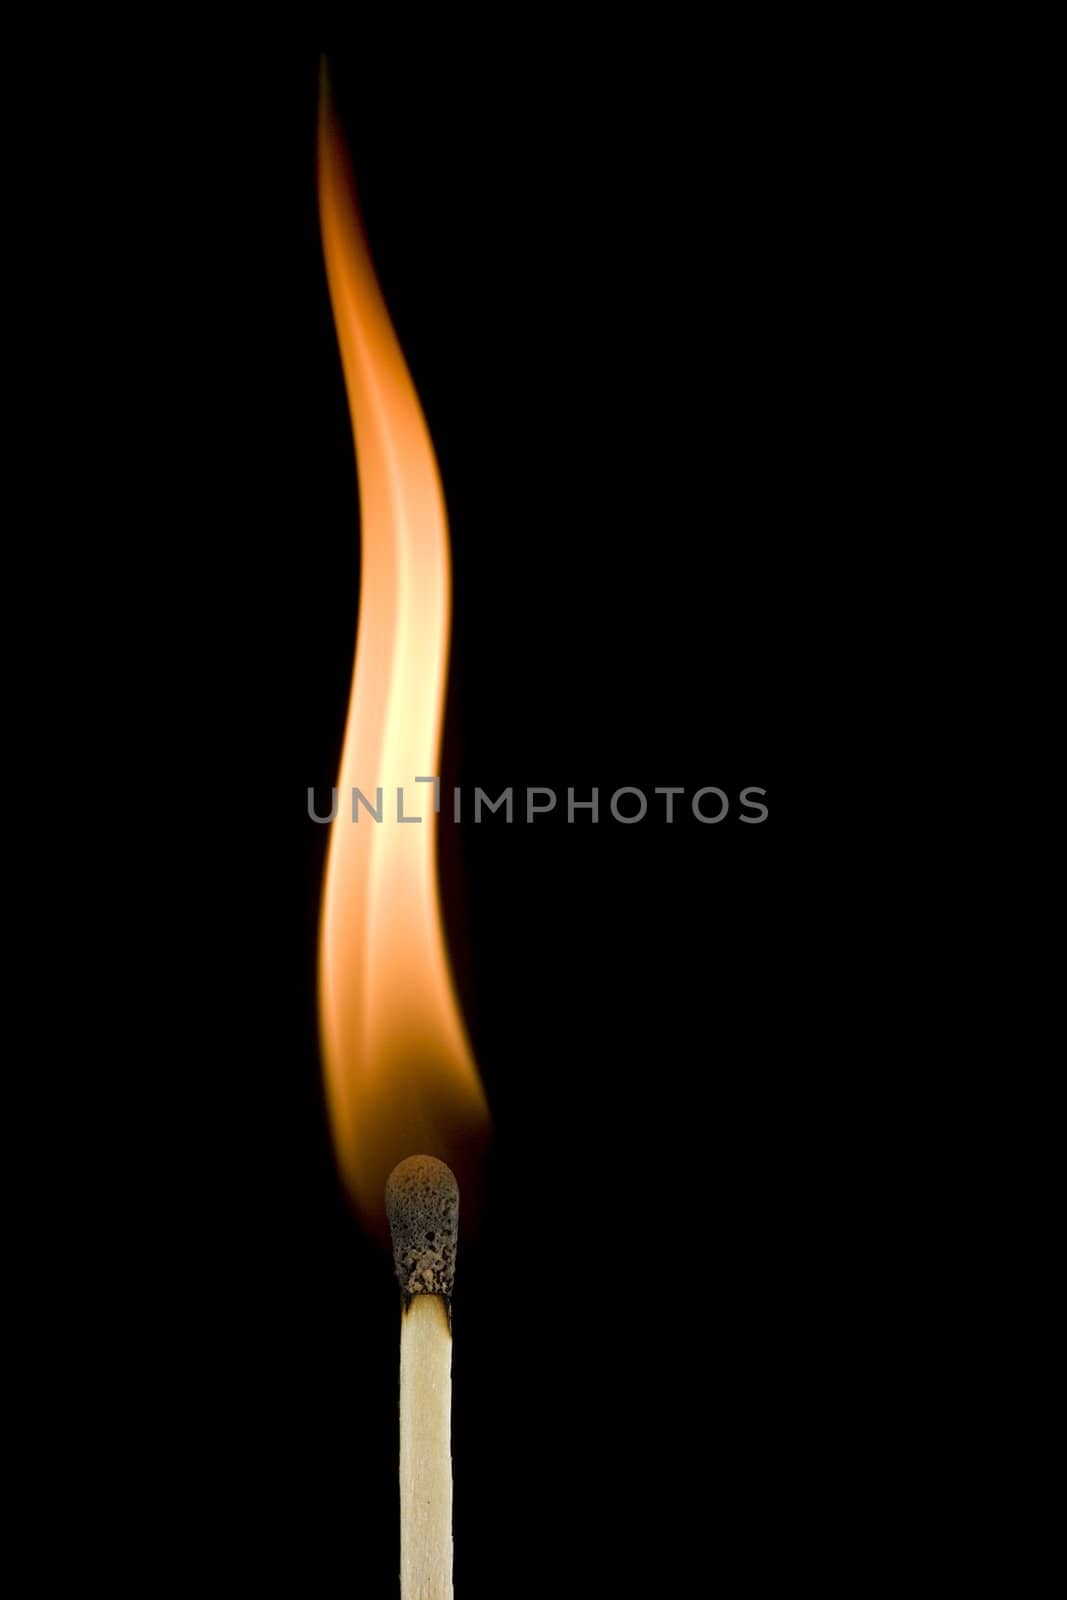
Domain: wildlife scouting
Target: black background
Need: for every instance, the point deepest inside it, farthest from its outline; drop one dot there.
(633, 292)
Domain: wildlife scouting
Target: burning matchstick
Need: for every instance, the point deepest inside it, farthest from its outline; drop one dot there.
(399, 1072)
(422, 1202)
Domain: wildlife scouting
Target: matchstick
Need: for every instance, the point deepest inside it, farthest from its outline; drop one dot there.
(422, 1203)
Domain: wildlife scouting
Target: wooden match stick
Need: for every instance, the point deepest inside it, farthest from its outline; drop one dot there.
(422, 1203)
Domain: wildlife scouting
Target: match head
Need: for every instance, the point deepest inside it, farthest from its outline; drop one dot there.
(422, 1204)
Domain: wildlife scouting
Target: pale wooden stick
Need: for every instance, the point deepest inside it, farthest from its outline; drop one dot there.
(426, 1450)
(422, 1202)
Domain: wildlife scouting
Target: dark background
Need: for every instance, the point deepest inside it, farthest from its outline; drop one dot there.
(634, 291)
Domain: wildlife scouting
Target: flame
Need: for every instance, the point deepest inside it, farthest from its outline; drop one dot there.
(400, 1075)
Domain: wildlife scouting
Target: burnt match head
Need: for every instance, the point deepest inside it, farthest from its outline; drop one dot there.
(422, 1203)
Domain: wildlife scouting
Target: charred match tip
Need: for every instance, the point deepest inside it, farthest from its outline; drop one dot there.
(422, 1204)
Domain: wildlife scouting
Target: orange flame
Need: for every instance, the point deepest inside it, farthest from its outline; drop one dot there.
(400, 1076)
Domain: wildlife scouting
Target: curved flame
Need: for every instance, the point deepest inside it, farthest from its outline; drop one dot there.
(400, 1076)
